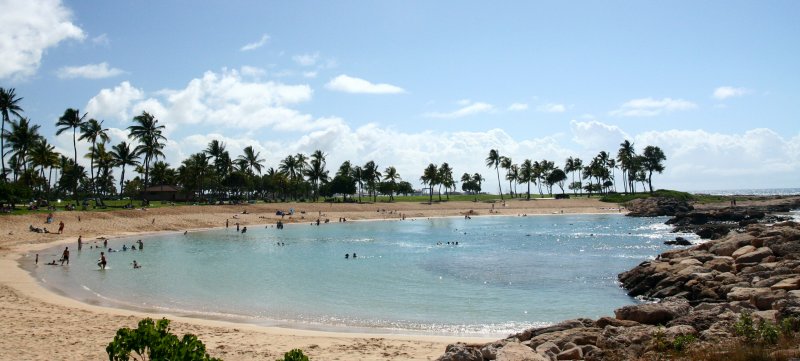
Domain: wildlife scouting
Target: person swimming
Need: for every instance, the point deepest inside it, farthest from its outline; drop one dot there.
(136, 265)
(346, 255)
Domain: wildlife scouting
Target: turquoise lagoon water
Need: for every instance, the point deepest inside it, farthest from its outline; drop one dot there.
(505, 274)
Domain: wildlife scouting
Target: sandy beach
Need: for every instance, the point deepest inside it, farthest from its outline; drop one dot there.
(41, 325)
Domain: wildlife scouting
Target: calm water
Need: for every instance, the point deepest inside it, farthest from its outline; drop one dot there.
(505, 274)
(754, 192)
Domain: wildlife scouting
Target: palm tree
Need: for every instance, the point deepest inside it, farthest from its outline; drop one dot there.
(445, 178)
(92, 131)
(147, 131)
(316, 172)
(123, 155)
(250, 157)
(390, 175)
(493, 160)
(625, 157)
(44, 155)
(22, 136)
(506, 163)
(358, 176)
(72, 119)
(9, 104)
(372, 176)
(429, 177)
(526, 174)
(652, 162)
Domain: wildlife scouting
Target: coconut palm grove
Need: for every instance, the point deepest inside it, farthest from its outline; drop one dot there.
(34, 170)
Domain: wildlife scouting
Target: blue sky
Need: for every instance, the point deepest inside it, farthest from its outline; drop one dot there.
(713, 83)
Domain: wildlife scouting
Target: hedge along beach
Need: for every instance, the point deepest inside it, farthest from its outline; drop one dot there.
(54, 325)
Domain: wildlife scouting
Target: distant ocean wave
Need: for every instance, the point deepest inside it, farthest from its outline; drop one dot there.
(752, 192)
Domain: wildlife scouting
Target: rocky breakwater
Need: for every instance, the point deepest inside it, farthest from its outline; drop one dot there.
(701, 291)
(656, 207)
(716, 223)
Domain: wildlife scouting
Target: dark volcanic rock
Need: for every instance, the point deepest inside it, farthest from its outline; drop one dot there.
(679, 241)
(657, 206)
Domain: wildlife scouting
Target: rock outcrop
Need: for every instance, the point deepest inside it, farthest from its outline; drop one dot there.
(657, 206)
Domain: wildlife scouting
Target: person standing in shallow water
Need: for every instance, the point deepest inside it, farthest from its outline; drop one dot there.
(65, 256)
(102, 262)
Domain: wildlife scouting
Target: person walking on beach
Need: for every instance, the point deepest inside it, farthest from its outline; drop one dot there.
(65, 256)
(60, 227)
(102, 262)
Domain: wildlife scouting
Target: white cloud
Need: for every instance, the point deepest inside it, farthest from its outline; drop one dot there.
(114, 103)
(101, 39)
(306, 59)
(552, 108)
(309, 74)
(466, 110)
(221, 100)
(88, 71)
(348, 84)
(252, 71)
(596, 136)
(252, 46)
(648, 107)
(725, 92)
(29, 28)
(517, 107)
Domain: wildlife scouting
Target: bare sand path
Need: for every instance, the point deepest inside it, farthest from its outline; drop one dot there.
(41, 325)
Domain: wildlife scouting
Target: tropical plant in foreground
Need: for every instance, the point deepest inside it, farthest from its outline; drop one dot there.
(154, 341)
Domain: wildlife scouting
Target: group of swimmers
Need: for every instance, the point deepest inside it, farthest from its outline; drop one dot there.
(347, 255)
(454, 243)
(102, 262)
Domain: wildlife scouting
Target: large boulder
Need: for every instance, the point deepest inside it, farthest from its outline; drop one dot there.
(755, 256)
(461, 352)
(517, 352)
(654, 313)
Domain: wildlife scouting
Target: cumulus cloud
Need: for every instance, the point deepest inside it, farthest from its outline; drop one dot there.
(88, 71)
(595, 135)
(552, 108)
(252, 46)
(306, 59)
(114, 103)
(30, 27)
(725, 92)
(218, 99)
(468, 108)
(348, 84)
(518, 107)
(648, 107)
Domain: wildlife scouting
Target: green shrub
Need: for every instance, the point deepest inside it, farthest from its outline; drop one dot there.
(682, 341)
(767, 332)
(153, 341)
(294, 355)
(745, 327)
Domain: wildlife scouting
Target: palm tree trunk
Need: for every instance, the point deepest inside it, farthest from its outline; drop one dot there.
(75, 168)
(499, 185)
(3, 150)
(529, 190)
